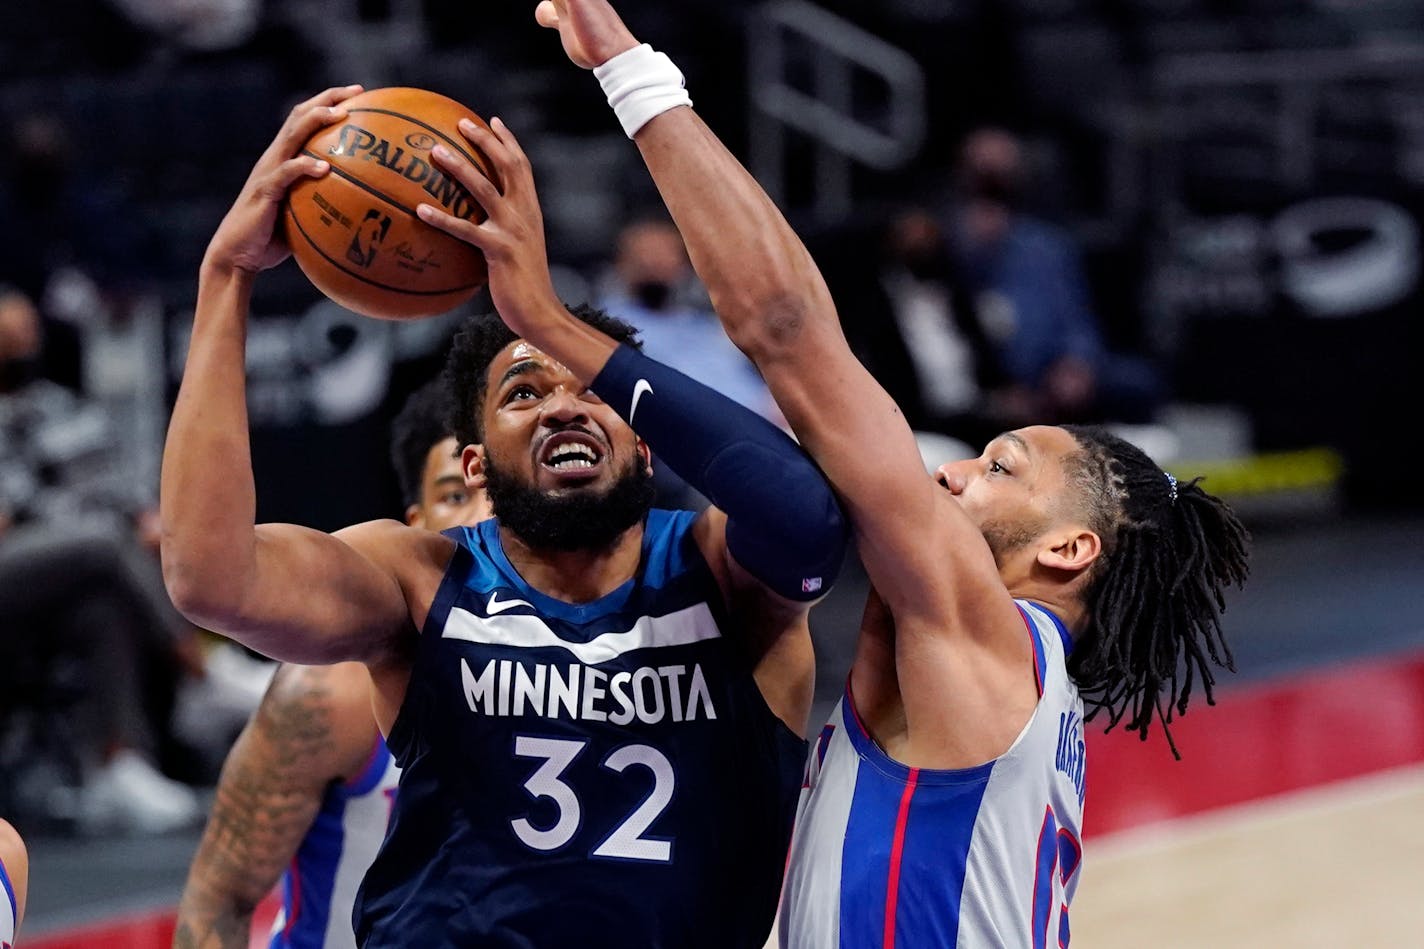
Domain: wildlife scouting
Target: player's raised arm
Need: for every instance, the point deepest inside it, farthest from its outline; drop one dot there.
(775, 306)
(289, 592)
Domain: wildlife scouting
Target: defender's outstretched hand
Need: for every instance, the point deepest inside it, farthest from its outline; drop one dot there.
(247, 239)
(591, 30)
(512, 235)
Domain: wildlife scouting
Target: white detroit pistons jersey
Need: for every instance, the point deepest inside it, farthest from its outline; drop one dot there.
(885, 855)
(319, 887)
(8, 909)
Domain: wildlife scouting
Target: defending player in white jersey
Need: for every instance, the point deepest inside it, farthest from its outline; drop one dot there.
(306, 792)
(943, 800)
(14, 881)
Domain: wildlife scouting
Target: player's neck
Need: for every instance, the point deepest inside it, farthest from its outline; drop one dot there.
(576, 576)
(1063, 603)
(1057, 591)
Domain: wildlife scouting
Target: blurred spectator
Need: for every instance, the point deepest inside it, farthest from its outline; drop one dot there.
(1033, 298)
(80, 587)
(56, 464)
(48, 229)
(651, 284)
(913, 324)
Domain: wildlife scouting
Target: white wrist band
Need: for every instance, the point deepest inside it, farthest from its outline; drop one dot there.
(641, 84)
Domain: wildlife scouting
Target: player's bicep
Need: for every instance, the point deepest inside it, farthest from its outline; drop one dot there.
(318, 598)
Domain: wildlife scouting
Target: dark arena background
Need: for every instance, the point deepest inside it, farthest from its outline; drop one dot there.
(1228, 195)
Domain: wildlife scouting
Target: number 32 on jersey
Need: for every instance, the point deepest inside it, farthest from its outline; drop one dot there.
(625, 841)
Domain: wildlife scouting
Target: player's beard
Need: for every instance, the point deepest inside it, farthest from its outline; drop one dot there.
(569, 519)
(1006, 537)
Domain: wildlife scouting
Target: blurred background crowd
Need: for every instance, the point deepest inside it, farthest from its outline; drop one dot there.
(1195, 220)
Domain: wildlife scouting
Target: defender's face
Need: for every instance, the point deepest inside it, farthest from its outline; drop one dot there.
(1016, 489)
(445, 500)
(545, 428)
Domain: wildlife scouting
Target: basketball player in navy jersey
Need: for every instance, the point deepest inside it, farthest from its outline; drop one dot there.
(596, 707)
(943, 801)
(14, 882)
(306, 792)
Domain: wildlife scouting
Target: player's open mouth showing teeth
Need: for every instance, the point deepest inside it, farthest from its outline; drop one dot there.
(570, 454)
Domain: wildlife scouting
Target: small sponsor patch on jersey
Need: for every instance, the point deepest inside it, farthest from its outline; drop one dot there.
(811, 585)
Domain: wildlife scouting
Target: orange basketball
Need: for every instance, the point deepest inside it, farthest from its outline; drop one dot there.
(354, 232)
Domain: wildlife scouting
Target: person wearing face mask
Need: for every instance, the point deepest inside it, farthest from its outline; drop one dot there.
(650, 284)
(1032, 290)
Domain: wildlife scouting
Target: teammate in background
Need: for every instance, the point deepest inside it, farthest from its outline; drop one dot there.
(600, 706)
(14, 882)
(943, 801)
(305, 795)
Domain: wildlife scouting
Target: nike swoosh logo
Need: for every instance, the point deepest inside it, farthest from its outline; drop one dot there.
(639, 388)
(494, 608)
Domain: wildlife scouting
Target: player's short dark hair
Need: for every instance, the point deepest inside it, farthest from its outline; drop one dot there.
(422, 422)
(1156, 592)
(476, 345)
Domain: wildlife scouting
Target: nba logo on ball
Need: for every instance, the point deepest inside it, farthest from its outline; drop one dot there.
(355, 233)
(374, 226)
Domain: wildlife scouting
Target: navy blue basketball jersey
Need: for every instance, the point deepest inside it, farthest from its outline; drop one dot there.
(598, 775)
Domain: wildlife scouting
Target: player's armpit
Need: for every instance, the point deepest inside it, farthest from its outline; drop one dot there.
(773, 632)
(312, 728)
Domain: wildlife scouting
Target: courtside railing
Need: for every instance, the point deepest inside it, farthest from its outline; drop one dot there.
(807, 73)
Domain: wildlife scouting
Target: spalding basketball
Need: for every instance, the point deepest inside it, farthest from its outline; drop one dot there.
(354, 231)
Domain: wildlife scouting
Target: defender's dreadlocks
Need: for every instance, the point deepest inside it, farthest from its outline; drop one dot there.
(1155, 595)
(475, 346)
(422, 423)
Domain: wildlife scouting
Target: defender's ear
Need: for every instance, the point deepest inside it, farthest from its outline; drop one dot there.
(1073, 550)
(414, 516)
(472, 464)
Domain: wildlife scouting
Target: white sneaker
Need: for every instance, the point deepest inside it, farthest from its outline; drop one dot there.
(129, 795)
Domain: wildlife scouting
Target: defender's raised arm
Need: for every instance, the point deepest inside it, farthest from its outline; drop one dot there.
(775, 306)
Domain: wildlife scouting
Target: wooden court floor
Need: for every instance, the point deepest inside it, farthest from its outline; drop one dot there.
(1340, 866)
